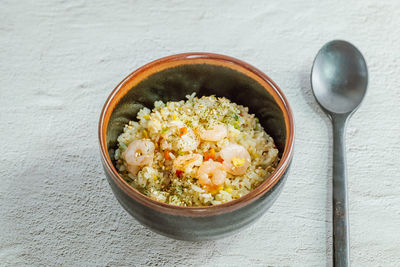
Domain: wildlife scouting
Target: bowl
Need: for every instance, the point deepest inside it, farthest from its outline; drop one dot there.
(171, 79)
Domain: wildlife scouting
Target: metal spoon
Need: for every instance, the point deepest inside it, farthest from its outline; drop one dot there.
(339, 79)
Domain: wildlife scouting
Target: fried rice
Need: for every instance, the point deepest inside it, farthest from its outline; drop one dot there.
(199, 152)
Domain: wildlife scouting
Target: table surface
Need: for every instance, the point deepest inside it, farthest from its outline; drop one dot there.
(61, 59)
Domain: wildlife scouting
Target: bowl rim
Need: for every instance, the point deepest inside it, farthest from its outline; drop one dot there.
(198, 211)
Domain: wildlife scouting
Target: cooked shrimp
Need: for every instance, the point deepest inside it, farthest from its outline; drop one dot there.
(188, 161)
(139, 152)
(236, 159)
(211, 174)
(214, 133)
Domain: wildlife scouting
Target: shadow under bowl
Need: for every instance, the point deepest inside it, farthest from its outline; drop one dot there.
(171, 79)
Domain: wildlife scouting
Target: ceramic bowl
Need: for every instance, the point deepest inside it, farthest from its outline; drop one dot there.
(171, 79)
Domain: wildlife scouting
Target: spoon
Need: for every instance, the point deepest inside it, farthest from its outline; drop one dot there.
(339, 79)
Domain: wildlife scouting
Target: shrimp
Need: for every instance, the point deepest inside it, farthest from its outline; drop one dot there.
(236, 159)
(139, 152)
(188, 161)
(215, 133)
(211, 174)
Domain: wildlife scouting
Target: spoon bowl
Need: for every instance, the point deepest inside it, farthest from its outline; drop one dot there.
(339, 77)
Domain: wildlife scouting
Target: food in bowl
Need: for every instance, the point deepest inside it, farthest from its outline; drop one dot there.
(200, 152)
(171, 79)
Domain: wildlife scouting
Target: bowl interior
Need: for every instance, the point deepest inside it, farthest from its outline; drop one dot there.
(174, 83)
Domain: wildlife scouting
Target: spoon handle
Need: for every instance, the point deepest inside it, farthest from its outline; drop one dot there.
(339, 192)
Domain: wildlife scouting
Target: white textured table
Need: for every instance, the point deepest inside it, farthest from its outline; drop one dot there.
(61, 59)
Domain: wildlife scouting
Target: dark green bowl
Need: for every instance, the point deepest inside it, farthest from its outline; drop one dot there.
(171, 79)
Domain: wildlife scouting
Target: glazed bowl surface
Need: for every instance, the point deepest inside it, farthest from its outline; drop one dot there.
(171, 79)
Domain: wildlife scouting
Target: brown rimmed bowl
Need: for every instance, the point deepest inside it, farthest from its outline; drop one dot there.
(171, 79)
